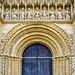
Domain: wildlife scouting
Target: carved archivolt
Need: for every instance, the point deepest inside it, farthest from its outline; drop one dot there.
(23, 35)
(21, 27)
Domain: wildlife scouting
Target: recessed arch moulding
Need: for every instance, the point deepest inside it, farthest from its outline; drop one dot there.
(50, 35)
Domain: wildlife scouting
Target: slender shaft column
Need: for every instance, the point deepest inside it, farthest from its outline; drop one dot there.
(41, 11)
(25, 11)
(9, 66)
(64, 66)
(6, 65)
(12, 68)
(19, 66)
(10, 12)
(18, 11)
(56, 12)
(60, 66)
(33, 11)
(54, 66)
(16, 66)
(67, 67)
(48, 11)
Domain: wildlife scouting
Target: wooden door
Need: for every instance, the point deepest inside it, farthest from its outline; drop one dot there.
(37, 60)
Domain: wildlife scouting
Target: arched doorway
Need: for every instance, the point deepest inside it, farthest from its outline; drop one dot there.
(37, 60)
(23, 35)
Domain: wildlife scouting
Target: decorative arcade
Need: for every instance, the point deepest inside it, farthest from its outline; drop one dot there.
(36, 10)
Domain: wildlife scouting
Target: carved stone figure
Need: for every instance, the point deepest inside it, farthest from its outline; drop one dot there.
(29, 14)
(52, 14)
(29, 1)
(60, 16)
(14, 14)
(37, 14)
(22, 14)
(60, 1)
(67, 14)
(8, 1)
(44, 14)
(14, 1)
(6, 14)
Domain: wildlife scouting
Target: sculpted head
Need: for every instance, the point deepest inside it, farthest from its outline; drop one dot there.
(22, 8)
(6, 9)
(68, 8)
(44, 8)
(37, 8)
(14, 9)
(52, 8)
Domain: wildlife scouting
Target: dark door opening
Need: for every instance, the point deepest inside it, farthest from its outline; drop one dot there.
(37, 60)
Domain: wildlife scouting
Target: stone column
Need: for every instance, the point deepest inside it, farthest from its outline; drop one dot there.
(67, 67)
(25, 11)
(33, 11)
(60, 66)
(16, 66)
(53, 60)
(55, 66)
(10, 12)
(19, 66)
(12, 66)
(6, 65)
(9, 66)
(56, 11)
(48, 11)
(18, 11)
(41, 11)
(64, 66)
